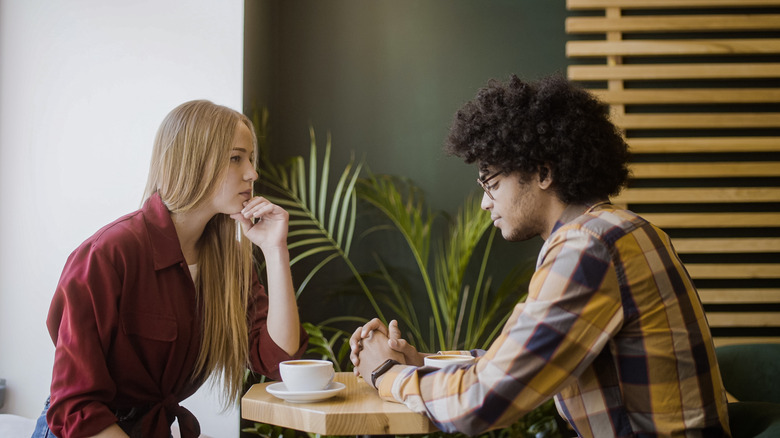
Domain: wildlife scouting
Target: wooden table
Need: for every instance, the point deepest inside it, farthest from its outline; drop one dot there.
(357, 410)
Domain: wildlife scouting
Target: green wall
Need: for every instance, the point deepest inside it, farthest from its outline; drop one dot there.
(385, 78)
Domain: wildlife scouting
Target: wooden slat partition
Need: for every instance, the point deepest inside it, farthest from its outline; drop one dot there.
(705, 95)
(692, 121)
(699, 23)
(673, 71)
(666, 4)
(694, 85)
(728, 296)
(727, 245)
(674, 195)
(674, 48)
(704, 145)
(705, 170)
(720, 221)
(740, 271)
(699, 195)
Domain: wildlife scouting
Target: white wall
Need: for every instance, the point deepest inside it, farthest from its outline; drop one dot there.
(83, 86)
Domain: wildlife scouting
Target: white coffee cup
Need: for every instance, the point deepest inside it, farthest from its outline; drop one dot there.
(306, 374)
(443, 360)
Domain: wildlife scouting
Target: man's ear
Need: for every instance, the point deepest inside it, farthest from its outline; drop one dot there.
(545, 177)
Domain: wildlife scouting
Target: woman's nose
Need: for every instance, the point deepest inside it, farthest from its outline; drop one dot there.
(251, 174)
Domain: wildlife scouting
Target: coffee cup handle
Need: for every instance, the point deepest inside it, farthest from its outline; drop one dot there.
(332, 376)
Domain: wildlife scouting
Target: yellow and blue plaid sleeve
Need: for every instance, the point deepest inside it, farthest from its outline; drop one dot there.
(572, 310)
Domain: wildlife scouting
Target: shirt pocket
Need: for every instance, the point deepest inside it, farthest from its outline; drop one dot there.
(150, 326)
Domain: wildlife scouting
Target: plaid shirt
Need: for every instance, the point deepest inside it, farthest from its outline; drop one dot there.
(612, 327)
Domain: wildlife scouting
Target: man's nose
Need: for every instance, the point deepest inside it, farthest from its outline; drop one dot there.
(486, 203)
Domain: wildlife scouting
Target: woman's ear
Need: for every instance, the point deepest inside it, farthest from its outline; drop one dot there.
(545, 177)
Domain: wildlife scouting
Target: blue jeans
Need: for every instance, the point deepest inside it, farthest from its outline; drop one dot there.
(41, 427)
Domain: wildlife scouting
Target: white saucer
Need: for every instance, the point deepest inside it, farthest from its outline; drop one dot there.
(280, 391)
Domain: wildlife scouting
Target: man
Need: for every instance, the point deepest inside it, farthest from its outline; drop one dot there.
(612, 327)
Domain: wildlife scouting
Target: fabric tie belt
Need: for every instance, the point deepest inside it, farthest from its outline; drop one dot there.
(157, 421)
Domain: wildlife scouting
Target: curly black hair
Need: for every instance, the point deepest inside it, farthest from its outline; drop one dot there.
(519, 126)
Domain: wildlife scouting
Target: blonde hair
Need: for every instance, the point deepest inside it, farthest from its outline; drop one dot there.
(190, 157)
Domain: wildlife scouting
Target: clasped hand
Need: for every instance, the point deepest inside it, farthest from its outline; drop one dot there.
(375, 342)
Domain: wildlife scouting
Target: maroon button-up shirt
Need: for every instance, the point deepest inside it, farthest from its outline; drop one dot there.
(127, 329)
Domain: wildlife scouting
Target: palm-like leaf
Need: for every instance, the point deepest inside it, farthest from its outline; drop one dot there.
(334, 346)
(460, 314)
(453, 259)
(407, 211)
(413, 220)
(321, 223)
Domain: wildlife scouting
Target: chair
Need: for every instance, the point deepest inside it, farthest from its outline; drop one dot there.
(751, 373)
(754, 420)
(15, 426)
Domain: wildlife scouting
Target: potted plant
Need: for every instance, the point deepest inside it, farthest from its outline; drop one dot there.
(464, 310)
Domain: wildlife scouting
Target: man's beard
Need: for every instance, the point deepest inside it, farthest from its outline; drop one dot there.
(519, 235)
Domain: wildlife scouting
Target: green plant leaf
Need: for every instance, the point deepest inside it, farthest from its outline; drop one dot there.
(461, 313)
(314, 272)
(414, 223)
(314, 230)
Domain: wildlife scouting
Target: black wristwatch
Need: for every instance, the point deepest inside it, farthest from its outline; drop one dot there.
(381, 369)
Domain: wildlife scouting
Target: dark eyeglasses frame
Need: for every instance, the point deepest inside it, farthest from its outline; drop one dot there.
(484, 183)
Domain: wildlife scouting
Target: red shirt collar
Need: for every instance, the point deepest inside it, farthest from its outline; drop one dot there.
(166, 249)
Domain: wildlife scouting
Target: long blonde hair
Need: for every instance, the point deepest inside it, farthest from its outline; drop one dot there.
(190, 157)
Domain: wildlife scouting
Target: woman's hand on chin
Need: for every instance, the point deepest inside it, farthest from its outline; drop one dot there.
(271, 222)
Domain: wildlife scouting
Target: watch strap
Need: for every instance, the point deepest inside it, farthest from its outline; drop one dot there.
(381, 369)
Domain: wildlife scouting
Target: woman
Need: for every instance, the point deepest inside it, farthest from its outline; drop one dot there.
(160, 300)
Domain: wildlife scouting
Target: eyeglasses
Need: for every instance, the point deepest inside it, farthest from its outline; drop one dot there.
(484, 184)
